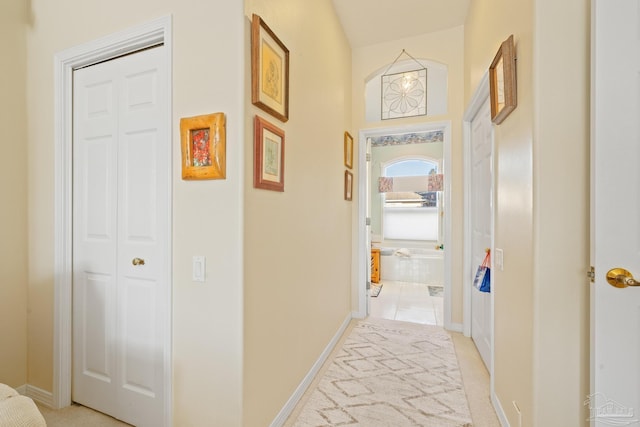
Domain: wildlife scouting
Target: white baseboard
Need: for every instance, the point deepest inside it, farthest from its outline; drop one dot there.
(454, 327)
(22, 389)
(288, 408)
(43, 397)
(502, 417)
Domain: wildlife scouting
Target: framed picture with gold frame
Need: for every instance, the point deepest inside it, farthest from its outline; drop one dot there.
(203, 140)
(268, 156)
(348, 185)
(269, 70)
(348, 150)
(502, 82)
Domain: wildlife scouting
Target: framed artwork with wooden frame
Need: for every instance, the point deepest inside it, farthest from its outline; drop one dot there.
(203, 140)
(268, 156)
(348, 185)
(269, 70)
(502, 82)
(348, 150)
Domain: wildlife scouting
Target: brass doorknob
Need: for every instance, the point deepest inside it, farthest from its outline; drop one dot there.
(621, 278)
(137, 261)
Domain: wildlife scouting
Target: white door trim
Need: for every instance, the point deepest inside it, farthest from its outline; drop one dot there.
(363, 256)
(150, 34)
(477, 101)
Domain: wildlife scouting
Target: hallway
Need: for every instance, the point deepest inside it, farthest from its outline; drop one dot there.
(416, 303)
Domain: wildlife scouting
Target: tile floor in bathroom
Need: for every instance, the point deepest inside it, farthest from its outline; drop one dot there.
(407, 301)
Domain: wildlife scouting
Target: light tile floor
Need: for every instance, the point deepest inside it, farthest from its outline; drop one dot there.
(407, 301)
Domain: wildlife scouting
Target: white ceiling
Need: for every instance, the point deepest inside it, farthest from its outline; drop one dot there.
(368, 22)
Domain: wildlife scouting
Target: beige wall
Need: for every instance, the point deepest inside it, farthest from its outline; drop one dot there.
(489, 23)
(207, 216)
(561, 211)
(297, 243)
(446, 47)
(13, 191)
(541, 305)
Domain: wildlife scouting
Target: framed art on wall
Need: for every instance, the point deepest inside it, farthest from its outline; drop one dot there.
(268, 152)
(348, 185)
(404, 94)
(348, 150)
(203, 142)
(269, 70)
(502, 82)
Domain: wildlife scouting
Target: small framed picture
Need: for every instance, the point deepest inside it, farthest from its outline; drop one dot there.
(203, 141)
(348, 150)
(502, 82)
(348, 185)
(268, 152)
(269, 70)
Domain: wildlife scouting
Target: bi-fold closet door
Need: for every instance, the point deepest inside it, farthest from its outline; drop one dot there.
(121, 173)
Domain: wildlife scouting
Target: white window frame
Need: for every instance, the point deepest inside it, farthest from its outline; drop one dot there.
(433, 212)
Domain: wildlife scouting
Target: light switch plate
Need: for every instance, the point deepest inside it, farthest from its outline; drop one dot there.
(499, 259)
(199, 268)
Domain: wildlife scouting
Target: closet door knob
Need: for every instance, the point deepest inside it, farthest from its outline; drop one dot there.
(137, 261)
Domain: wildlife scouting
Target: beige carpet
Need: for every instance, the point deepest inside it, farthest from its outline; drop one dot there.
(390, 373)
(78, 416)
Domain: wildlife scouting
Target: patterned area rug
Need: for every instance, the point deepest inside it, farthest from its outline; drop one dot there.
(390, 373)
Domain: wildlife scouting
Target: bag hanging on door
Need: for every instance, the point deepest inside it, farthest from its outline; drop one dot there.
(482, 281)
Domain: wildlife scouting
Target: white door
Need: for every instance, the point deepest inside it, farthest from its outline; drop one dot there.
(615, 312)
(120, 237)
(481, 225)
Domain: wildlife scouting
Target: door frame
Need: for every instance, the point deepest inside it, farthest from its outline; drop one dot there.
(479, 98)
(150, 34)
(363, 199)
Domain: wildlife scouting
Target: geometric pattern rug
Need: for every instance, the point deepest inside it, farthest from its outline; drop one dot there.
(390, 373)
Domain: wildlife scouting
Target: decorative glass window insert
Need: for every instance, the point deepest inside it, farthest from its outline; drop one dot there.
(404, 94)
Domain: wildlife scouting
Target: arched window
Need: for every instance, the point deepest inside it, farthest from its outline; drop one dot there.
(411, 167)
(411, 214)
